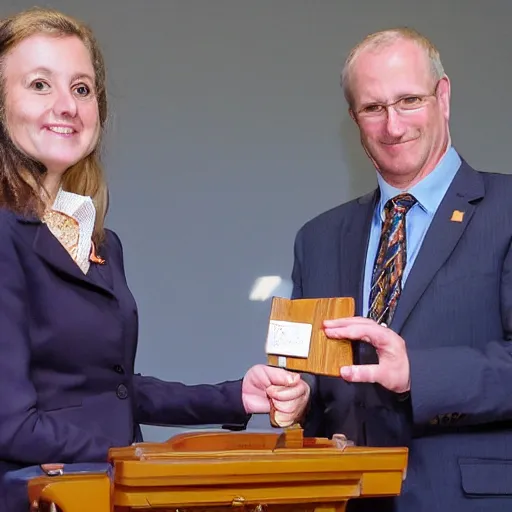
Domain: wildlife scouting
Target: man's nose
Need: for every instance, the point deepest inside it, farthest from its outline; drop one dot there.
(394, 124)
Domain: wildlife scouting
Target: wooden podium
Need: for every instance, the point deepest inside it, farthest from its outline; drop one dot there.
(219, 471)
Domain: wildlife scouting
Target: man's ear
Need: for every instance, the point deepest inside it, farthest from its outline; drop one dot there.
(444, 94)
(352, 115)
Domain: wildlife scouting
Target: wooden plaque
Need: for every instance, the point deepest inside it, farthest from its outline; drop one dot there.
(296, 340)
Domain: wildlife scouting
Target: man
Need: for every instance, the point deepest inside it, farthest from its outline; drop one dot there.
(431, 272)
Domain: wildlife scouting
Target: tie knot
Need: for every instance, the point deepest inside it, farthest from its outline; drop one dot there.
(401, 203)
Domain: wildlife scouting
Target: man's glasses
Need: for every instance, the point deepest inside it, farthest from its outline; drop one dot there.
(403, 106)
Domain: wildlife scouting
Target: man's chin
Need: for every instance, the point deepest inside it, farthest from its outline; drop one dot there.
(397, 171)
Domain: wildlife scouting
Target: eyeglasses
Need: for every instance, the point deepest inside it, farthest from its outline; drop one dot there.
(403, 106)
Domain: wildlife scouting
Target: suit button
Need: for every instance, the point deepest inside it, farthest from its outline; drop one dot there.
(446, 419)
(122, 391)
(118, 368)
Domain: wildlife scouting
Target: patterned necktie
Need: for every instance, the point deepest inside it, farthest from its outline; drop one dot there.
(390, 261)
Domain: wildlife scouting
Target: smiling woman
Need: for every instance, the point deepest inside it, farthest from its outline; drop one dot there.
(68, 321)
(54, 108)
(51, 108)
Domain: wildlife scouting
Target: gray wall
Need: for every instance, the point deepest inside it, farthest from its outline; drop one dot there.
(229, 131)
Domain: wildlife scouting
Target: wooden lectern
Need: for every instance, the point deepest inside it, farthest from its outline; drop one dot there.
(217, 472)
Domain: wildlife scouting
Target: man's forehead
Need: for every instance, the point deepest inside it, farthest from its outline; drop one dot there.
(389, 69)
(399, 56)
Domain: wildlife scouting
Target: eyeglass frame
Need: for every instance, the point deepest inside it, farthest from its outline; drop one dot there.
(386, 106)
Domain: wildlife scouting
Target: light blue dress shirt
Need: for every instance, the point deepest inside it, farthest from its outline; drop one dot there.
(429, 193)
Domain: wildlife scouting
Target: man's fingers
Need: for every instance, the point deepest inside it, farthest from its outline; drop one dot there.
(361, 373)
(351, 320)
(351, 332)
(372, 333)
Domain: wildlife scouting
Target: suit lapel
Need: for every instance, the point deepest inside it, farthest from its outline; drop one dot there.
(103, 273)
(441, 238)
(51, 251)
(354, 245)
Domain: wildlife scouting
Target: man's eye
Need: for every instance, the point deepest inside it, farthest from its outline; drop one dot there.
(411, 101)
(373, 109)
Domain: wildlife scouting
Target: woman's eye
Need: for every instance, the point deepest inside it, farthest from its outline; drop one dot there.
(82, 90)
(40, 85)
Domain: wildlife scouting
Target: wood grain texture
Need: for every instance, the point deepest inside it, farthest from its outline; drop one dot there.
(217, 472)
(326, 356)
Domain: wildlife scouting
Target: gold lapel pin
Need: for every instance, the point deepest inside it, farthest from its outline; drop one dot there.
(457, 216)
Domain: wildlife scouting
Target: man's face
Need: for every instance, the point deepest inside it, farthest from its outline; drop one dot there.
(404, 141)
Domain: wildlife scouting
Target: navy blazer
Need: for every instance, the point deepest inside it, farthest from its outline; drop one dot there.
(455, 315)
(67, 350)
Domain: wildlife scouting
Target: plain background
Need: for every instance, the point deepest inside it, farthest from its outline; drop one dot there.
(229, 130)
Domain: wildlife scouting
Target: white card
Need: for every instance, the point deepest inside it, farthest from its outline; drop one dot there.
(288, 338)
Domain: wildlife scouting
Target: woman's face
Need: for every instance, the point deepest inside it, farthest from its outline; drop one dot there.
(51, 106)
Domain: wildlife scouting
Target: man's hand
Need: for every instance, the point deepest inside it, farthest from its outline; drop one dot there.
(288, 392)
(392, 371)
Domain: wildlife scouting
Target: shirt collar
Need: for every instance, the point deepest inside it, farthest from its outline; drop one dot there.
(429, 192)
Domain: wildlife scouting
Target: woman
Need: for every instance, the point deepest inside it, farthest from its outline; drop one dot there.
(68, 322)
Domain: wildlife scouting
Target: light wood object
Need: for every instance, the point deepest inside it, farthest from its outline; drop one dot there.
(325, 356)
(220, 472)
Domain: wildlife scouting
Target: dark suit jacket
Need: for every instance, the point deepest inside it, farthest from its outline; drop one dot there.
(455, 314)
(67, 350)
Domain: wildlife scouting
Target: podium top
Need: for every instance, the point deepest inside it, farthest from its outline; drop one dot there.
(213, 460)
(213, 469)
